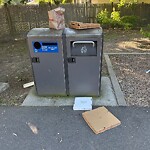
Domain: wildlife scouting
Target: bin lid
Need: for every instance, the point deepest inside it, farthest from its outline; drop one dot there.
(44, 32)
(83, 32)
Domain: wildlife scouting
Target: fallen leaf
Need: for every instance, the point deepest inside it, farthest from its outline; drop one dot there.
(14, 134)
(33, 128)
(59, 139)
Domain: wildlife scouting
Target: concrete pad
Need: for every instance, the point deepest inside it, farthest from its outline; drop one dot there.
(107, 97)
(3, 86)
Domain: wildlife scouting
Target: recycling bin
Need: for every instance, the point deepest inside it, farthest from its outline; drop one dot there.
(47, 59)
(83, 61)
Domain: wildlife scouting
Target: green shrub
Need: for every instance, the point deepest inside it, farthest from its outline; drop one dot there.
(115, 15)
(104, 18)
(109, 20)
(114, 20)
(121, 3)
(130, 21)
(127, 26)
(146, 31)
(103, 15)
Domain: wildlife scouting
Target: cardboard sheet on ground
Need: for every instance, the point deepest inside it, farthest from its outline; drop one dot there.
(100, 120)
(82, 103)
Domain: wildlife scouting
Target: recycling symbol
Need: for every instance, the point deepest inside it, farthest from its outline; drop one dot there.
(83, 50)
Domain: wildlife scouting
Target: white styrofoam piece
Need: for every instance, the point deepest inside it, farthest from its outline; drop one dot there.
(28, 84)
(82, 103)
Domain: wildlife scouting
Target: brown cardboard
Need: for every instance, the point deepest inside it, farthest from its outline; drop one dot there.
(81, 25)
(100, 120)
(56, 18)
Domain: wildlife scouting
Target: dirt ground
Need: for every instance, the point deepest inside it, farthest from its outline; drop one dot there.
(15, 67)
(132, 77)
(125, 41)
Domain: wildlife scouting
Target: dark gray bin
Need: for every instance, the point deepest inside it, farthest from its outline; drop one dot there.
(83, 61)
(47, 59)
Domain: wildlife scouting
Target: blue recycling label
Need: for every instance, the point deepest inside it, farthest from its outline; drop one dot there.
(45, 47)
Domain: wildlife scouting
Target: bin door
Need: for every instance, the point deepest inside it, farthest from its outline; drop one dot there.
(84, 69)
(48, 68)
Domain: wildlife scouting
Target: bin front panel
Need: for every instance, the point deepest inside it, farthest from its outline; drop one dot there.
(48, 64)
(84, 69)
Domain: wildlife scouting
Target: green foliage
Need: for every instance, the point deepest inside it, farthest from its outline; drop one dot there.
(115, 15)
(130, 21)
(1, 2)
(67, 1)
(23, 1)
(44, 1)
(114, 20)
(146, 31)
(131, 2)
(15, 2)
(103, 15)
(121, 3)
(109, 20)
(104, 18)
(56, 2)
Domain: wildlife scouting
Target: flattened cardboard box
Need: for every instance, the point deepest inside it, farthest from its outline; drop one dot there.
(100, 120)
(81, 25)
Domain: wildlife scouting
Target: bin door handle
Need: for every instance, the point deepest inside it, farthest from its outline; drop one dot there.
(83, 42)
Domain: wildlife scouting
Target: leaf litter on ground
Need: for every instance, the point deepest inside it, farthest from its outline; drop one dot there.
(32, 127)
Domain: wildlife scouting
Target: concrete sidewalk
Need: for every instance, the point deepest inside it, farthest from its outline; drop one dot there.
(61, 128)
(107, 97)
